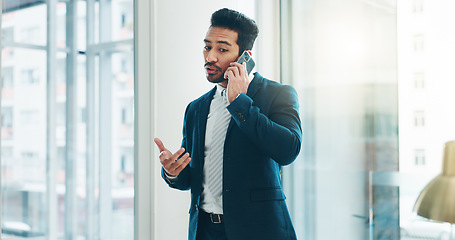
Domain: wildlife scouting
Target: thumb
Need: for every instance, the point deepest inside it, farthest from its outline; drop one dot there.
(159, 144)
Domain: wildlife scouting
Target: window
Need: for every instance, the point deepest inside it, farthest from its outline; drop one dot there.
(419, 43)
(343, 65)
(7, 78)
(124, 115)
(417, 6)
(7, 124)
(7, 157)
(419, 80)
(31, 34)
(7, 117)
(369, 142)
(29, 157)
(29, 117)
(7, 35)
(419, 157)
(29, 76)
(419, 118)
(67, 169)
(7, 84)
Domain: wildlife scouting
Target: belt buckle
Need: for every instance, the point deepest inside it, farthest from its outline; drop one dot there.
(215, 218)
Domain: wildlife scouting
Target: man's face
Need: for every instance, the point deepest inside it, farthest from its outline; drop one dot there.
(219, 51)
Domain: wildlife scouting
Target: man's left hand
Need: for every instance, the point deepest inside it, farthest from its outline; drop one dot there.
(238, 80)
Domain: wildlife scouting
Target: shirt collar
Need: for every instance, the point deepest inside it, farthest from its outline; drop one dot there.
(219, 90)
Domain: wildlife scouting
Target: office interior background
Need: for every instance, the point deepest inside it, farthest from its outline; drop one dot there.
(87, 84)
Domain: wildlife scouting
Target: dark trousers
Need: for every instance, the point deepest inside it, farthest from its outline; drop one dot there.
(207, 230)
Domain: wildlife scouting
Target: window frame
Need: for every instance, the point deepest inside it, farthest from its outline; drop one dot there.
(71, 63)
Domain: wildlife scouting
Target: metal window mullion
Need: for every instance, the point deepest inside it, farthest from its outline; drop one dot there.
(286, 75)
(105, 124)
(71, 122)
(30, 46)
(90, 123)
(24, 45)
(105, 146)
(115, 46)
(144, 66)
(302, 205)
(1, 166)
(51, 158)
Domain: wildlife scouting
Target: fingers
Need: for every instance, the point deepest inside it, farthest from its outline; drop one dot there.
(174, 166)
(181, 164)
(168, 159)
(236, 70)
(238, 80)
(229, 74)
(160, 144)
(245, 71)
(241, 69)
(172, 163)
(164, 153)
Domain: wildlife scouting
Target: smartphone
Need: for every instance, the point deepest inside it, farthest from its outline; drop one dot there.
(246, 57)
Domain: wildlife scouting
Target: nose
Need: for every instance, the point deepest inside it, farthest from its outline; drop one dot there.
(211, 57)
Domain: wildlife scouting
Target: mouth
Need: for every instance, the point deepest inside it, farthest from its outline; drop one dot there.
(212, 69)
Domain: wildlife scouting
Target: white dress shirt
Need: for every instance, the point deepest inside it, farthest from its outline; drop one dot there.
(210, 203)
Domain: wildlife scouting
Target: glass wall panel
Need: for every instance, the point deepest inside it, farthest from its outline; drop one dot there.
(24, 142)
(426, 83)
(375, 84)
(67, 119)
(342, 58)
(23, 30)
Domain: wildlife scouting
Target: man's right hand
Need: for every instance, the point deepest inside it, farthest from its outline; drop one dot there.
(172, 164)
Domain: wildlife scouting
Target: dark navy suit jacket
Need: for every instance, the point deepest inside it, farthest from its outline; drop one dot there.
(263, 135)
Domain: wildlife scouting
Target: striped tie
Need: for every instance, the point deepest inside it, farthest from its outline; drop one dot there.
(215, 157)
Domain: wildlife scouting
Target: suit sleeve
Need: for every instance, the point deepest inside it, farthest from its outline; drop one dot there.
(183, 180)
(279, 134)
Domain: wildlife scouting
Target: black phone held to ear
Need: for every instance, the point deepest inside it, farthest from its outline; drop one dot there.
(246, 57)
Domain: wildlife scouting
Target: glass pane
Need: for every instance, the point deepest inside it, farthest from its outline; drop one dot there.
(425, 100)
(119, 18)
(16, 22)
(23, 142)
(342, 61)
(376, 92)
(92, 152)
(123, 145)
(61, 25)
(116, 164)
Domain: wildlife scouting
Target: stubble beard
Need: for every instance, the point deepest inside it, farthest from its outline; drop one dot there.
(220, 79)
(216, 80)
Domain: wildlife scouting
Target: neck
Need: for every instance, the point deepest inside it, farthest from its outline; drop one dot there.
(223, 84)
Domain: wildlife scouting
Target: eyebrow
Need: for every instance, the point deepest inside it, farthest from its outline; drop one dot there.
(222, 42)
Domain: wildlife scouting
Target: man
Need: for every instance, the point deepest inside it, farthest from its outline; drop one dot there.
(236, 137)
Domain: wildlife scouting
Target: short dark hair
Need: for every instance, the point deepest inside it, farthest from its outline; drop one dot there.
(245, 27)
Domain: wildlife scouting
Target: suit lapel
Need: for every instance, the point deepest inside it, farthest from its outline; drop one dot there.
(255, 85)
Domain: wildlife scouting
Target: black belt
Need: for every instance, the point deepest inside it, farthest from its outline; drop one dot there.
(214, 218)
